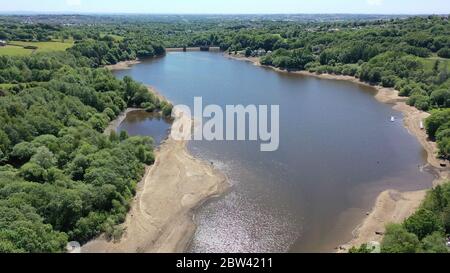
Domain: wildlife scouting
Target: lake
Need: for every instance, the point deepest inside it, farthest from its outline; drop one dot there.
(338, 151)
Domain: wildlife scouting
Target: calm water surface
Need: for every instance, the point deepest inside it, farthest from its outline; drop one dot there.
(338, 151)
(143, 123)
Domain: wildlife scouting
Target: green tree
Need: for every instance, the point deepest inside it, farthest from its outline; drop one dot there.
(43, 158)
(363, 249)
(444, 52)
(123, 135)
(398, 240)
(436, 120)
(433, 243)
(33, 172)
(4, 141)
(22, 230)
(441, 98)
(423, 223)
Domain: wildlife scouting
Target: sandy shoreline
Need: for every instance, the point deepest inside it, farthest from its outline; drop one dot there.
(161, 219)
(122, 65)
(391, 206)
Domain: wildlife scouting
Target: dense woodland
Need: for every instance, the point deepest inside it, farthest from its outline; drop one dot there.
(62, 179)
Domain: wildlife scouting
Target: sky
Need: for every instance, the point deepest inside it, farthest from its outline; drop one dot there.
(229, 6)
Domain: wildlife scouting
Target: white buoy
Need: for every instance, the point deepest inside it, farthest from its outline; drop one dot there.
(392, 119)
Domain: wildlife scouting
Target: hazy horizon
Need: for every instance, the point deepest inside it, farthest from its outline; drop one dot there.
(211, 14)
(229, 7)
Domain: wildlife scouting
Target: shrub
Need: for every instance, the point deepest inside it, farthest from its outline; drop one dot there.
(398, 240)
(423, 223)
(444, 52)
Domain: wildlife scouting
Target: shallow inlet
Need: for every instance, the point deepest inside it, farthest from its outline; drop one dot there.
(338, 151)
(140, 122)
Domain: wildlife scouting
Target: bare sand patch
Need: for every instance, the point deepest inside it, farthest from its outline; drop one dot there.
(390, 207)
(122, 65)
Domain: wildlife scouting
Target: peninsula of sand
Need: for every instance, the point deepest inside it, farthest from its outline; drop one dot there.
(161, 218)
(391, 206)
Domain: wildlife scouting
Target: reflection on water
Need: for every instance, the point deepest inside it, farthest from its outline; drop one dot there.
(147, 124)
(338, 151)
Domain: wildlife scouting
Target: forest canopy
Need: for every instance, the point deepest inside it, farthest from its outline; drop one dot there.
(61, 178)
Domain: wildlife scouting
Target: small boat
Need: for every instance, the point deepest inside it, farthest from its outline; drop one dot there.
(392, 119)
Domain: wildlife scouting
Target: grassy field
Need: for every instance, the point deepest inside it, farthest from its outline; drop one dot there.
(6, 85)
(14, 51)
(16, 48)
(46, 46)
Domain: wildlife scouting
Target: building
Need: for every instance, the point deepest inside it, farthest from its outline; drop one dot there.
(2, 43)
(258, 53)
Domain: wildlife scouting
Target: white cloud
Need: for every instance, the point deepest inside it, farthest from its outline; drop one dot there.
(73, 3)
(375, 2)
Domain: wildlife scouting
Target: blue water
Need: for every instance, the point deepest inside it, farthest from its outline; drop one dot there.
(148, 124)
(338, 151)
